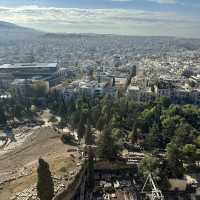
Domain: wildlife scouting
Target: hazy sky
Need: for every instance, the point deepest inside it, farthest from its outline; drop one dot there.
(129, 17)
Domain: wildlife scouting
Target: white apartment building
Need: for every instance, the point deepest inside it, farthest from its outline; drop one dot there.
(140, 94)
(163, 92)
(95, 89)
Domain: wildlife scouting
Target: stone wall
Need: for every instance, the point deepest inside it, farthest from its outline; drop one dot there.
(73, 188)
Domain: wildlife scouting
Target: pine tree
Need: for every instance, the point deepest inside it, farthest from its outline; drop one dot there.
(45, 186)
(154, 139)
(107, 146)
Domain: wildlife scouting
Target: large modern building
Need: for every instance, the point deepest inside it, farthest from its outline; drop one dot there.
(5, 80)
(61, 74)
(25, 87)
(29, 70)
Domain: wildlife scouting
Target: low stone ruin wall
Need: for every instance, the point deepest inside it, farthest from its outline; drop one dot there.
(71, 191)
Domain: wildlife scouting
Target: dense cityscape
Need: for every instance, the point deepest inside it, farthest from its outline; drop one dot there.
(98, 117)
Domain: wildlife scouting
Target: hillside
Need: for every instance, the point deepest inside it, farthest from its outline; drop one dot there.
(7, 26)
(10, 32)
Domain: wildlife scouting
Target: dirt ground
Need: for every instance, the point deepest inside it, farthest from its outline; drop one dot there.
(44, 142)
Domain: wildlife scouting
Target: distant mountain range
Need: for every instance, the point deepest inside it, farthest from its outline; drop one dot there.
(13, 28)
(16, 42)
(10, 31)
(6, 26)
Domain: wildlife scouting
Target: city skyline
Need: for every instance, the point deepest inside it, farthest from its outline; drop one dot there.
(124, 17)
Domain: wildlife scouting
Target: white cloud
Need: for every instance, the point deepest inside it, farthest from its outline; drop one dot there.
(117, 21)
(164, 1)
(121, 0)
(156, 1)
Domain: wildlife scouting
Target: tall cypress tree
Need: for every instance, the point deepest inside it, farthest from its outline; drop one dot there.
(81, 130)
(134, 134)
(88, 134)
(90, 172)
(3, 119)
(45, 186)
(100, 123)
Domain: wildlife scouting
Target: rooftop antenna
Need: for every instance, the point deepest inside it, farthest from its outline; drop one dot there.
(155, 194)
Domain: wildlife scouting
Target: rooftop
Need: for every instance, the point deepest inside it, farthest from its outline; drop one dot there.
(21, 81)
(133, 87)
(28, 65)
